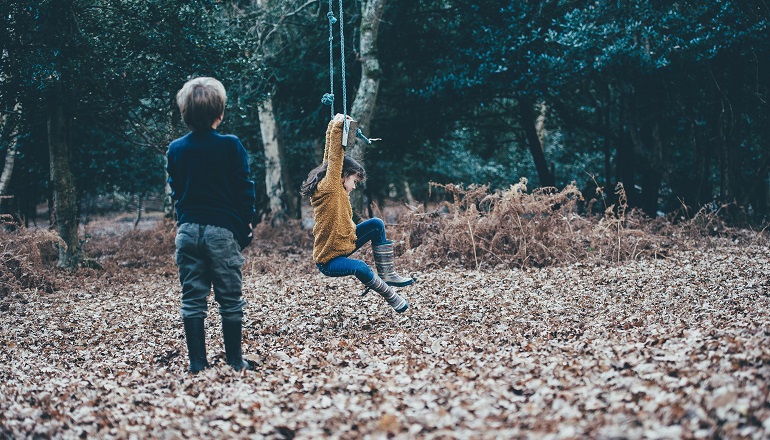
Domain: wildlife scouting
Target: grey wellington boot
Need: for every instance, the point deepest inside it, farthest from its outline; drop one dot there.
(231, 330)
(195, 335)
(394, 299)
(383, 260)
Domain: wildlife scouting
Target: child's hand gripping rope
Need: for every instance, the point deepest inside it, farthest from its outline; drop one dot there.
(352, 125)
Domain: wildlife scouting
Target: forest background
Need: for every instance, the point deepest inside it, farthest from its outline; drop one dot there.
(580, 190)
(669, 99)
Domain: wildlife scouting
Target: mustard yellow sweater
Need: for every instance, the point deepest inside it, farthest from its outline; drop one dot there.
(334, 231)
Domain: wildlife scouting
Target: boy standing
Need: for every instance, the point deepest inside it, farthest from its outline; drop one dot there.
(209, 178)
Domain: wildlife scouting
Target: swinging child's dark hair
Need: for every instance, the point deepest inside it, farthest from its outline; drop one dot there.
(349, 168)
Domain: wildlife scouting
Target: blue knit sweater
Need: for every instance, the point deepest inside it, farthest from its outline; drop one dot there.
(209, 178)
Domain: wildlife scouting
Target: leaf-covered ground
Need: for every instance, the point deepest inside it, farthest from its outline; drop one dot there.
(668, 348)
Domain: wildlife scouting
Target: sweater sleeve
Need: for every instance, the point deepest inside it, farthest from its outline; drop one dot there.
(244, 187)
(326, 142)
(334, 154)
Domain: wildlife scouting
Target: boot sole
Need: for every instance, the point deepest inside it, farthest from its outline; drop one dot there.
(393, 284)
(402, 310)
(246, 366)
(197, 370)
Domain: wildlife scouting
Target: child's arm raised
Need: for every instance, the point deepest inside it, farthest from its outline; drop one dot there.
(334, 152)
(329, 129)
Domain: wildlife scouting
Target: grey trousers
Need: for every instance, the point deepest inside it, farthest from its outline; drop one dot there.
(209, 256)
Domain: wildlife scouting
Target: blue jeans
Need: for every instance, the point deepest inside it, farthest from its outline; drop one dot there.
(369, 230)
(209, 256)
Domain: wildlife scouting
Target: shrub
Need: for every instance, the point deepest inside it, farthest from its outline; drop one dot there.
(26, 258)
(514, 228)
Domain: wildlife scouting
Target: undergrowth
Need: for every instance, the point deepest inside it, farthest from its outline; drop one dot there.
(477, 229)
(291, 244)
(515, 228)
(25, 259)
(136, 248)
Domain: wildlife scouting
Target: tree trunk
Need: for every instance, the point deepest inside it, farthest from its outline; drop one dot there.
(607, 144)
(642, 164)
(408, 193)
(282, 198)
(10, 155)
(168, 202)
(139, 208)
(726, 156)
(366, 96)
(528, 120)
(763, 190)
(728, 138)
(652, 178)
(646, 133)
(757, 196)
(63, 184)
(702, 192)
(625, 163)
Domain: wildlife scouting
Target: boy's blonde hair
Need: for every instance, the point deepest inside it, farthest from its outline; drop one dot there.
(201, 102)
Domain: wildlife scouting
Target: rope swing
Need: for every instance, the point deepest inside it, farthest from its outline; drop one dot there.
(328, 98)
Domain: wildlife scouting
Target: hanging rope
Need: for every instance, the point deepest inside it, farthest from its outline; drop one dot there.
(328, 98)
(345, 124)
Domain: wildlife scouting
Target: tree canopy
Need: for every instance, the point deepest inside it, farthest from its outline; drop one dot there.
(668, 98)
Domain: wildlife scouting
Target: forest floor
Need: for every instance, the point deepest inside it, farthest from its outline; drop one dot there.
(675, 347)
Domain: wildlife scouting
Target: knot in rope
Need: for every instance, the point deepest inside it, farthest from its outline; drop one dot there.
(331, 17)
(327, 99)
(360, 135)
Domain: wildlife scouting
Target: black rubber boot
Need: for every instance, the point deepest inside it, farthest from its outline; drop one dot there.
(231, 330)
(195, 335)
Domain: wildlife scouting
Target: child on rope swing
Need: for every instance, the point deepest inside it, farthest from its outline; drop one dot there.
(336, 237)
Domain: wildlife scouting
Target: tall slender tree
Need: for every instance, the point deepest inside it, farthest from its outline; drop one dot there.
(273, 36)
(9, 124)
(365, 102)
